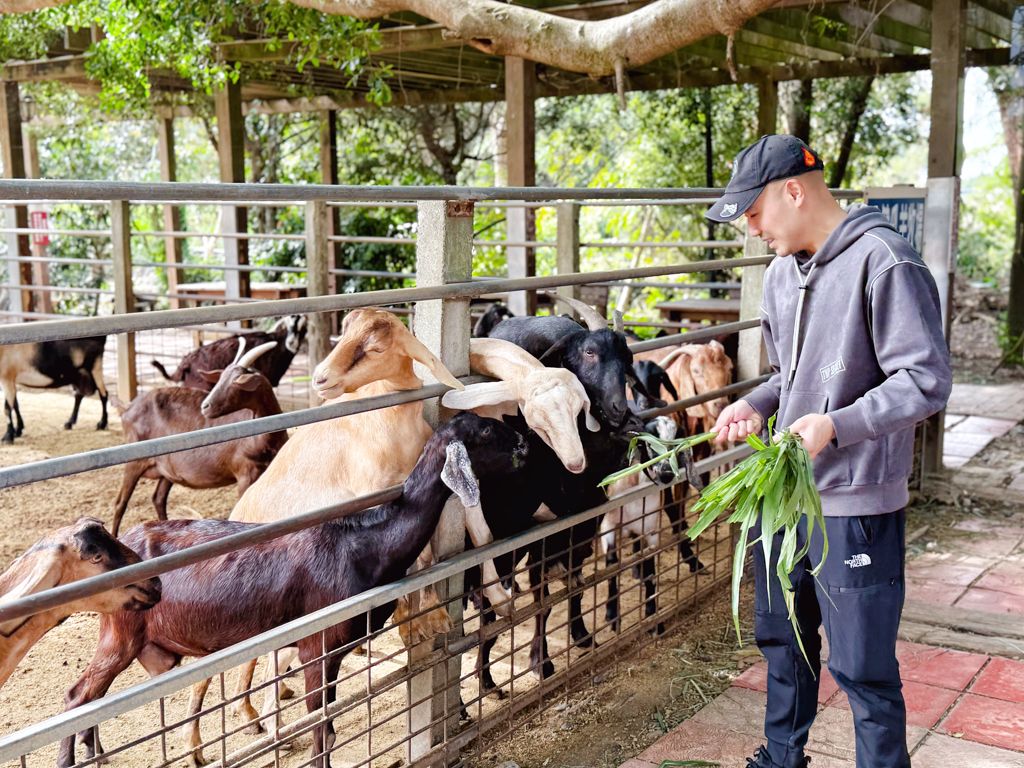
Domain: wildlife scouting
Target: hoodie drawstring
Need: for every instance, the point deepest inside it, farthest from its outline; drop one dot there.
(799, 312)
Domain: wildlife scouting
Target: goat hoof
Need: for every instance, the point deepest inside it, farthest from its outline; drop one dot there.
(583, 640)
(68, 424)
(253, 729)
(287, 693)
(8, 439)
(658, 630)
(196, 759)
(101, 425)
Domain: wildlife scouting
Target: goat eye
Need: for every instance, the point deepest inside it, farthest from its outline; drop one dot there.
(486, 432)
(589, 353)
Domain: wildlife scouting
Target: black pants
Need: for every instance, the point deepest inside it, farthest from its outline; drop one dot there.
(858, 596)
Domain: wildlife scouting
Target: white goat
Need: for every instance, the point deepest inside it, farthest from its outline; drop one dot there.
(61, 557)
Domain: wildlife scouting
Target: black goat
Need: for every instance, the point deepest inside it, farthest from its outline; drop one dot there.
(599, 357)
(652, 377)
(214, 604)
(489, 319)
(52, 364)
(289, 332)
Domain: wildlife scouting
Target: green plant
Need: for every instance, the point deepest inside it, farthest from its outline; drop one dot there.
(775, 485)
(661, 450)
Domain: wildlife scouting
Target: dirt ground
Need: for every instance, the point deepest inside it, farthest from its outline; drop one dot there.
(974, 343)
(644, 692)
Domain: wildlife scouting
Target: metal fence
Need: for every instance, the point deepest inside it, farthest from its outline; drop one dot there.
(426, 704)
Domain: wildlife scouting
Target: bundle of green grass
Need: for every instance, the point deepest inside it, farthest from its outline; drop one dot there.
(776, 486)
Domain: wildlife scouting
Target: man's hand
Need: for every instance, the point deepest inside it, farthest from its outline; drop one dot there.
(815, 429)
(736, 422)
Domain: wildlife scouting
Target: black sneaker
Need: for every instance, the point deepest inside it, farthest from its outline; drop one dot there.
(761, 760)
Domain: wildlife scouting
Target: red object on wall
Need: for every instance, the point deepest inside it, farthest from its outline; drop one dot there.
(39, 221)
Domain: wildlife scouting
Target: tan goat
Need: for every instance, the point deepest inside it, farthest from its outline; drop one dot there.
(68, 554)
(701, 368)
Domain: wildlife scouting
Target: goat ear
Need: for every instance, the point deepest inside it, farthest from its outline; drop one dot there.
(211, 377)
(417, 351)
(248, 382)
(458, 474)
(476, 395)
(555, 355)
(592, 424)
(42, 572)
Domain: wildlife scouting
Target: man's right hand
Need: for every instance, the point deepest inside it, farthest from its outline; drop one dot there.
(736, 422)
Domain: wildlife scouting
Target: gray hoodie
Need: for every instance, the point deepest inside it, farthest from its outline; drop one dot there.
(869, 351)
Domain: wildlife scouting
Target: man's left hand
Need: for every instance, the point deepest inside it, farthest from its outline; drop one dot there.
(815, 430)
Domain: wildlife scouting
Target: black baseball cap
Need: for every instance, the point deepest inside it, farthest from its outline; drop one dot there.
(769, 159)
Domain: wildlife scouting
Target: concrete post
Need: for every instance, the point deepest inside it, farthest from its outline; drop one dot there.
(124, 297)
(752, 358)
(444, 247)
(317, 249)
(567, 259)
(40, 269)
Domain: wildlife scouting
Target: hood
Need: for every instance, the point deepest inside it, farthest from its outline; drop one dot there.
(859, 220)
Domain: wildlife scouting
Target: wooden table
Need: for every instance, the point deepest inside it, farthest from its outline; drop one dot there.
(714, 310)
(215, 290)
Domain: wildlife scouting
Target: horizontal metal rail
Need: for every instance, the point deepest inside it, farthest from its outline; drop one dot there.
(87, 461)
(94, 585)
(244, 194)
(60, 726)
(130, 323)
(58, 289)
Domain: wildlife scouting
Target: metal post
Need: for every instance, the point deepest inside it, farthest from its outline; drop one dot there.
(444, 254)
(234, 219)
(752, 358)
(945, 153)
(124, 296)
(319, 334)
(520, 134)
(568, 251)
(171, 213)
(12, 147)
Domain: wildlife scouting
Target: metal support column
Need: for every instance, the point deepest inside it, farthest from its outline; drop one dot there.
(171, 213)
(124, 296)
(945, 154)
(520, 136)
(13, 148)
(40, 269)
(319, 333)
(444, 254)
(234, 219)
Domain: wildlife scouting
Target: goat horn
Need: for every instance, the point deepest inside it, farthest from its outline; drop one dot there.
(241, 349)
(666, 361)
(618, 325)
(590, 315)
(252, 354)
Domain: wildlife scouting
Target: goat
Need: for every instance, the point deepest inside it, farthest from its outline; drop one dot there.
(214, 604)
(599, 357)
(550, 398)
(52, 364)
(495, 314)
(67, 554)
(288, 332)
(653, 376)
(241, 393)
(640, 519)
(331, 461)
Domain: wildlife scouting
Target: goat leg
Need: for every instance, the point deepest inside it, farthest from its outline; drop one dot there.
(540, 661)
(132, 472)
(483, 660)
(647, 568)
(101, 387)
(163, 490)
(611, 611)
(74, 411)
(190, 735)
(242, 707)
(10, 408)
(480, 534)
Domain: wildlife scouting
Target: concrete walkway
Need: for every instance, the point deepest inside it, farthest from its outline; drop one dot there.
(963, 634)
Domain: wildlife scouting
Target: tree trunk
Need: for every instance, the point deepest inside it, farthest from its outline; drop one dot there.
(501, 29)
(1010, 97)
(797, 109)
(860, 102)
(1015, 315)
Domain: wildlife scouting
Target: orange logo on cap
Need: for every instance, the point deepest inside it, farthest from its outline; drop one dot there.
(808, 157)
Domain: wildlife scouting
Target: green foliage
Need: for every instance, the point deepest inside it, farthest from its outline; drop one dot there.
(181, 38)
(987, 218)
(775, 487)
(381, 257)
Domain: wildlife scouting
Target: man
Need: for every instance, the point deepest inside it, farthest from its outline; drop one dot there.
(851, 320)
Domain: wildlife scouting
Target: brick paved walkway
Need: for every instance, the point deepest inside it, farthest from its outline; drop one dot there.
(965, 709)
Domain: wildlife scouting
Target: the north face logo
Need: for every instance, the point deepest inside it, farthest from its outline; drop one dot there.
(858, 561)
(729, 210)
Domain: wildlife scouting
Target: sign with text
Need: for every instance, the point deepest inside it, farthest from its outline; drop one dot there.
(904, 207)
(40, 220)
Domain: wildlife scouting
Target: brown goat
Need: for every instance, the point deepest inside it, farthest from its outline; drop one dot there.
(241, 393)
(68, 554)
